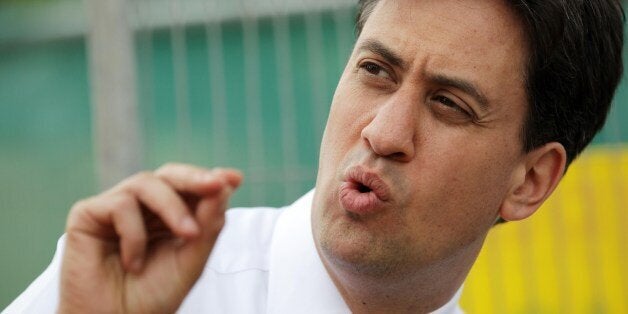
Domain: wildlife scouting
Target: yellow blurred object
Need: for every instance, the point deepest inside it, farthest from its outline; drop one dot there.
(569, 257)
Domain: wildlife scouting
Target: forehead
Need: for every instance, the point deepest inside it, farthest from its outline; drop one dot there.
(481, 41)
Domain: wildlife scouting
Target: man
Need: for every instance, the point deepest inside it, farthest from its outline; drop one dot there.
(450, 115)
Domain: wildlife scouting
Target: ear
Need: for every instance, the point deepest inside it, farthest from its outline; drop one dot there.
(534, 181)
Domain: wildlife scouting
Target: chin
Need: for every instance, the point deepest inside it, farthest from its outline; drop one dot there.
(355, 249)
(373, 247)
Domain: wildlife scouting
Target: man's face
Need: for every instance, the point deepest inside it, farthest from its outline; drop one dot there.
(423, 136)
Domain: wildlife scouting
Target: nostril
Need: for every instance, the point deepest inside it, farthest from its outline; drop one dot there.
(398, 156)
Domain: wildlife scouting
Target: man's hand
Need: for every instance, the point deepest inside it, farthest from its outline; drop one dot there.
(141, 246)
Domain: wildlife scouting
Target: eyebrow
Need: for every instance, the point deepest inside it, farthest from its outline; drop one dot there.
(463, 85)
(386, 53)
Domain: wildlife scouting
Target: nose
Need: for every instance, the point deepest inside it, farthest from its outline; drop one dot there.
(391, 133)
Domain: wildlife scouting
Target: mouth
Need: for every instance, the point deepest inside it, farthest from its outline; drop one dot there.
(363, 188)
(363, 192)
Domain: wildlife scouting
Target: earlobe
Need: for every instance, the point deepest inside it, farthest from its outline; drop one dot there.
(543, 169)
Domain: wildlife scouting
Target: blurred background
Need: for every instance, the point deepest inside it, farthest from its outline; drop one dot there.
(92, 90)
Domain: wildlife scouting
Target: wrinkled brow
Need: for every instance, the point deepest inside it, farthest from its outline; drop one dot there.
(379, 48)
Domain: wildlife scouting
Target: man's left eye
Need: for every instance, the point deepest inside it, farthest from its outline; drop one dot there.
(375, 69)
(450, 103)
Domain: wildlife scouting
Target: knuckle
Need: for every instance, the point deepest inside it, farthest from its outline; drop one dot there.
(168, 167)
(135, 182)
(78, 212)
(75, 212)
(129, 181)
(120, 202)
(80, 205)
(143, 176)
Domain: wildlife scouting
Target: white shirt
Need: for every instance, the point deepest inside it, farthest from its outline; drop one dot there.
(264, 261)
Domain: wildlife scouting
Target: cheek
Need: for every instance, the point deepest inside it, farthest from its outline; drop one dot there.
(348, 105)
(348, 115)
(462, 191)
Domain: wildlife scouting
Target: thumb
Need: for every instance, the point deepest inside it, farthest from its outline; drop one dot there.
(210, 215)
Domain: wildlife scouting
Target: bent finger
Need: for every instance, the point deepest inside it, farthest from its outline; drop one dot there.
(196, 180)
(162, 200)
(107, 218)
(129, 225)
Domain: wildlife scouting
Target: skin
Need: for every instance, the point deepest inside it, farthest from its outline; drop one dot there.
(451, 155)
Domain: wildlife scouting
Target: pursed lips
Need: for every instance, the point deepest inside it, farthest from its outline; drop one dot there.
(368, 180)
(363, 191)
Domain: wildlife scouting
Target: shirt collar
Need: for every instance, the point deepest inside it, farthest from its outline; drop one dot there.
(297, 277)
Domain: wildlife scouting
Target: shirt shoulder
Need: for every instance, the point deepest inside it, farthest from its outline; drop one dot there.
(235, 279)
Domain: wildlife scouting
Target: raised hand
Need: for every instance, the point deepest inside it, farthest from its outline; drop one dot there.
(140, 246)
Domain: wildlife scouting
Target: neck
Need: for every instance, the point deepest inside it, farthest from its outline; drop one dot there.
(420, 291)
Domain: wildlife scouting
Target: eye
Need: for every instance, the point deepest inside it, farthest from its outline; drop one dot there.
(451, 109)
(375, 69)
(447, 102)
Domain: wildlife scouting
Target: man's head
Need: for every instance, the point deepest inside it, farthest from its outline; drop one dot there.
(573, 69)
(423, 147)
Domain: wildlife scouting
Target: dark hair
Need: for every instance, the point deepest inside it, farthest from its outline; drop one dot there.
(574, 67)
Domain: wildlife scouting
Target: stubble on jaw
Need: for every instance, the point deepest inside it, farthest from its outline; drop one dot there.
(352, 247)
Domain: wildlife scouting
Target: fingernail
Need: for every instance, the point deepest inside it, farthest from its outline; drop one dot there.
(189, 225)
